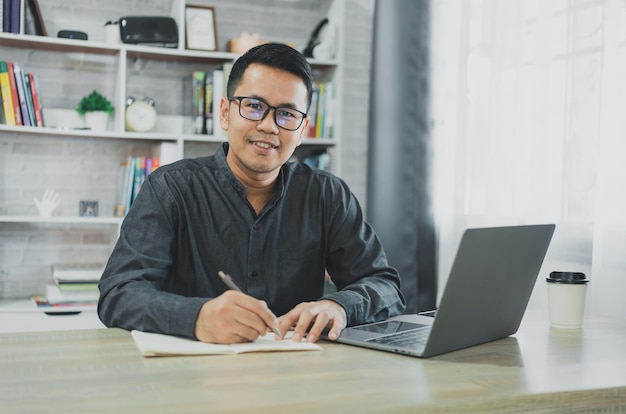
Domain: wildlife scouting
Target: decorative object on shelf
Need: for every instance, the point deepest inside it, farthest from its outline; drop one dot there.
(96, 110)
(49, 202)
(141, 115)
(322, 42)
(244, 42)
(149, 30)
(200, 29)
(88, 208)
(314, 40)
(112, 32)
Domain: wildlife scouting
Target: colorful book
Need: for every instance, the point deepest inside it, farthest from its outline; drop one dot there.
(197, 81)
(312, 129)
(7, 105)
(28, 93)
(15, 100)
(44, 302)
(21, 93)
(36, 100)
(218, 93)
(207, 126)
(321, 108)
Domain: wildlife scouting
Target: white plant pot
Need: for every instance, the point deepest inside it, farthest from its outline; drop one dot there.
(97, 120)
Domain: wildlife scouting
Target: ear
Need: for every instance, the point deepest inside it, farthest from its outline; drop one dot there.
(224, 109)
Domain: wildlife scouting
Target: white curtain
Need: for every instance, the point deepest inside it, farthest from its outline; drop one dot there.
(529, 124)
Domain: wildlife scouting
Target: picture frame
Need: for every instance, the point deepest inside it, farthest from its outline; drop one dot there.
(40, 26)
(200, 28)
(88, 208)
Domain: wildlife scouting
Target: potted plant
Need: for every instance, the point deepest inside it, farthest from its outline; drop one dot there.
(96, 109)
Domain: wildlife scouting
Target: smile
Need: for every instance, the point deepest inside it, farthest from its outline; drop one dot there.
(264, 145)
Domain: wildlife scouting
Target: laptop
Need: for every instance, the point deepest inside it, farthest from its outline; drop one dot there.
(490, 283)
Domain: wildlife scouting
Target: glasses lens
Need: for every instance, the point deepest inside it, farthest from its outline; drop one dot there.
(288, 118)
(252, 109)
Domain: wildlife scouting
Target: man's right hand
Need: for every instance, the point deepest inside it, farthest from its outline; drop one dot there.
(233, 317)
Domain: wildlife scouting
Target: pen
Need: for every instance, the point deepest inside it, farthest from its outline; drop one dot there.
(229, 282)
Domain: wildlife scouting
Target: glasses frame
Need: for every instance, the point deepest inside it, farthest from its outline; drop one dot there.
(269, 107)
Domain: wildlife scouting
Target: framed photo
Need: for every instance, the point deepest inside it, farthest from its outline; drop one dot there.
(40, 26)
(88, 208)
(200, 30)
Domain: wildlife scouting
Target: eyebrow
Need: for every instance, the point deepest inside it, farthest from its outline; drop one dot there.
(280, 105)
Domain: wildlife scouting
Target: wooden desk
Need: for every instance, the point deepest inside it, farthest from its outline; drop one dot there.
(101, 371)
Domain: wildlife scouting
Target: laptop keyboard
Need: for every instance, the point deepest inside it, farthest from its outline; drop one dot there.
(404, 339)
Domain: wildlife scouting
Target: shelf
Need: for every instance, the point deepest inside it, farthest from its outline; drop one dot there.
(61, 220)
(146, 136)
(53, 44)
(86, 133)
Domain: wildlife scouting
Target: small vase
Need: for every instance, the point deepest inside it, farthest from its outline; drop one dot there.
(97, 120)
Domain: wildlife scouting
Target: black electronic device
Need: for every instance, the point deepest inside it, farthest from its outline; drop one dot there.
(149, 30)
(72, 34)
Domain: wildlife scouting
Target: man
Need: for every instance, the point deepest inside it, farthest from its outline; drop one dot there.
(275, 227)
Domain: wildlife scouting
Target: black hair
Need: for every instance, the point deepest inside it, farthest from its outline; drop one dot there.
(275, 55)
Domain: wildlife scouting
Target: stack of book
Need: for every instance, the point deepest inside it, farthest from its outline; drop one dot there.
(321, 111)
(133, 173)
(74, 285)
(208, 88)
(21, 102)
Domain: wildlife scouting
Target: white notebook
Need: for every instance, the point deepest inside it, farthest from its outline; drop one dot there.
(153, 344)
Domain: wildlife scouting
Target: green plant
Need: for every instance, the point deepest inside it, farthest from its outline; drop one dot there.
(94, 102)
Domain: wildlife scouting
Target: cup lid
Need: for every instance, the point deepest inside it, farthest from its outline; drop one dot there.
(567, 277)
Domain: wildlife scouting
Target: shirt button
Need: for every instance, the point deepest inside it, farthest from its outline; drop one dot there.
(256, 226)
(254, 274)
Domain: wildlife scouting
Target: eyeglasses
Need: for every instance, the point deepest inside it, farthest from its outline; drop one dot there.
(255, 109)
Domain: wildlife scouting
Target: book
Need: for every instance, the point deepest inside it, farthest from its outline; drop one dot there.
(7, 105)
(132, 174)
(153, 344)
(28, 93)
(15, 100)
(36, 100)
(321, 111)
(197, 87)
(218, 93)
(56, 294)
(43, 302)
(207, 126)
(311, 131)
(77, 272)
(21, 93)
(4, 15)
(14, 16)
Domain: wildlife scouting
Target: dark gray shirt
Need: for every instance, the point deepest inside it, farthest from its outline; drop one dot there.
(191, 219)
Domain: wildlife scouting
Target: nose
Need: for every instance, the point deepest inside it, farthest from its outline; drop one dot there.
(268, 123)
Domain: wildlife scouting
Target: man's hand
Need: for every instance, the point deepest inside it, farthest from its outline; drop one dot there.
(314, 317)
(233, 317)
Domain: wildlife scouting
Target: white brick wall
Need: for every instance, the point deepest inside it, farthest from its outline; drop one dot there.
(81, 169)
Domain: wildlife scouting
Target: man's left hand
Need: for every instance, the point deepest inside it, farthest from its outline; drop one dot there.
(314, 317)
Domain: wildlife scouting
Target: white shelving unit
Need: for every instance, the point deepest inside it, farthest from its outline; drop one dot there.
(125, 69)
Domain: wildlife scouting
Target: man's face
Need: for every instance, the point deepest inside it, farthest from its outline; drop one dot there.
(259, 148)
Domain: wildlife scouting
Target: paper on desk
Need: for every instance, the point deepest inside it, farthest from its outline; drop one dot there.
(153, 344)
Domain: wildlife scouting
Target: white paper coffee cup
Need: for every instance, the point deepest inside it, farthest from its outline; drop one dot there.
(567, 292)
